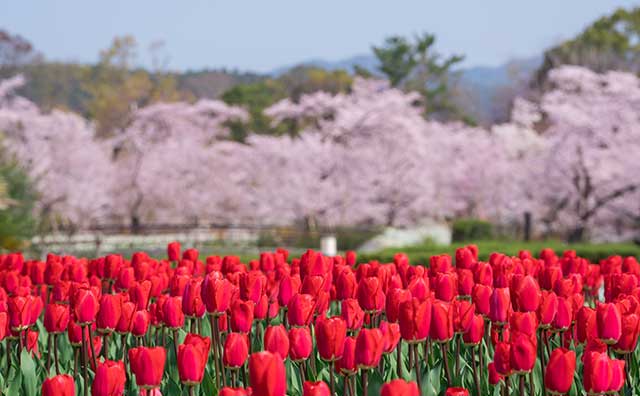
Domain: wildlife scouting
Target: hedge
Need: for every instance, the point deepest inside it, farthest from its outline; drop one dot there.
(420, 254)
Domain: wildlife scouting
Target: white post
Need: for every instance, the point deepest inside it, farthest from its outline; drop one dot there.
(329, 245)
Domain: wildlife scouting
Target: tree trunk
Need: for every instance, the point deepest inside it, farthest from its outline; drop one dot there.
(577, 234)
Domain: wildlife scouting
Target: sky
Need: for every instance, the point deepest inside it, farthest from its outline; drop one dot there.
(264, 35)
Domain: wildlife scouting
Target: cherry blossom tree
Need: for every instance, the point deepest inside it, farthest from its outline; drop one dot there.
(588, 173)
(367, 157)
(71, 171)
(171, 166)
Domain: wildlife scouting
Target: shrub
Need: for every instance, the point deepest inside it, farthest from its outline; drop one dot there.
(17, 222)
(471, 230)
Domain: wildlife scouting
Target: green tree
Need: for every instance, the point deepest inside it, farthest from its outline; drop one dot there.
(17, 203)
(115, 88)
(414, 65)
(257, 96)
(610, 43)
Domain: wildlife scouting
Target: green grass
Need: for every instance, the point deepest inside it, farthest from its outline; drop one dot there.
(420, 254)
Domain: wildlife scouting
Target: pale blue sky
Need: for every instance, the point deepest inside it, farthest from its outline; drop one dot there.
(261, 35)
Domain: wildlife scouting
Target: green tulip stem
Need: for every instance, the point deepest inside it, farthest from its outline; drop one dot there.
(475, 370)
(416, 360)
(55, 353)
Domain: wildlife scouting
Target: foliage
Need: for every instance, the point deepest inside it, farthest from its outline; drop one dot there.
(258, 96)
(348, 238)
(17, 222)
(115, 89)
(471, 229)
(15, 50)
(415, 66)
(609, 43)
(420, 254)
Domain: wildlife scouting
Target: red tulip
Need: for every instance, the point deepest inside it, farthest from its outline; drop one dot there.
(125, 323)
(140, 323)
(346, 284)
(319, 388)
(394, 298)
(20, 308)
(522, 353)
(330, 336)
(267, 374)
(109, 380)
(252, 285)
(192, 358)
(242, 316)
(32, 342)
(85, 306)
(236, 350)
(391, 334)
(4, 325)
(56, 318)
(216, 294)
(494, 376)
(527, 294)
(481, 298)
(148, 365)
(352, 314)
(617, 375)
(370, 295)
(463, 311)
(602, 374)
(190, 254)
(109, 312)
(564, 316)
(228, 391)
(300, 343)
(300, 310)
(415, 320)
(173, 251)
(500, 305)
(192, 304)
(609, 322)
(465, 282)
(400, 387)
(502, 358)
(346, 365)
(289, 287)
(629, 337)
(276, 340)
(559, 372)
(456, 392)
(369, 347)
(60, 385)
(475, 332)
(446, 286)
(524, 322)
(547, 309)
(418, 288)
(441, 321)
(586, 326)
(172, 314)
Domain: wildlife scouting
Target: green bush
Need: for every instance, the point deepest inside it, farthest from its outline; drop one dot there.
(17, 223)
(420, 254)
(471, 230)
(348, 238)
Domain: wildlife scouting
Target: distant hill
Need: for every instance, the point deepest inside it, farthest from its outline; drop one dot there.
(213, 83)
(368, 62)
(483, 91)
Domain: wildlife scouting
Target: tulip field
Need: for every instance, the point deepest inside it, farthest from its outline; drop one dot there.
(552, 323)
